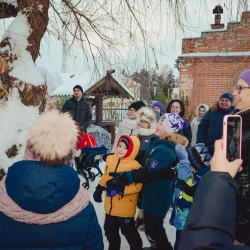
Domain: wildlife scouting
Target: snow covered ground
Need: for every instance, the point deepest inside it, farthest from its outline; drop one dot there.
(99, 207)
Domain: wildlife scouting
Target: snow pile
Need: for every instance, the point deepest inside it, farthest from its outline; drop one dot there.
(23, 67)
(15, 117)
(16, 120)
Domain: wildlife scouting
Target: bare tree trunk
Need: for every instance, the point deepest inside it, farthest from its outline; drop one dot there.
(38, 21)
(37, 16)
(23, 96)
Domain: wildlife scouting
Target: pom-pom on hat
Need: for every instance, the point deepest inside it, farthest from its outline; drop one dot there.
(158, 104)
(172, 123)
(78, 87)
(245, 76)
(137, 105)
(228, 96)
(53, 136)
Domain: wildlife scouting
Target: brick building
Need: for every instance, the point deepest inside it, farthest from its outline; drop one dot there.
(210, 65)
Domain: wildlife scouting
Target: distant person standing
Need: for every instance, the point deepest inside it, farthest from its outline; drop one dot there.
(129, 125)
(157, 107)
(177, 107)
(201, 110)
(210, 128)
(78, 108)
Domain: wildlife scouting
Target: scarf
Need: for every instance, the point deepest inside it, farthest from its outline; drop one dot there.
(146, 131)
(71, 209)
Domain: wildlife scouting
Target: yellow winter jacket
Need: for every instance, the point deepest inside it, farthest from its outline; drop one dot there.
(122, 206)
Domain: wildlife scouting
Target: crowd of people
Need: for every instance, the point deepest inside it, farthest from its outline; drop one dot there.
(155, 164)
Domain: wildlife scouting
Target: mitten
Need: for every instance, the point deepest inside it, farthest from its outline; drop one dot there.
(118, 180)
(181, 154)
(186, 123)
(114, 190)
(184, 172)
(97, 195)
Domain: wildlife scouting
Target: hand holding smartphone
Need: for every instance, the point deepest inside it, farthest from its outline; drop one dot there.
(232, 136)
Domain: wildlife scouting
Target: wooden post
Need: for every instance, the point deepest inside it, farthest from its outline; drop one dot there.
(98, 105)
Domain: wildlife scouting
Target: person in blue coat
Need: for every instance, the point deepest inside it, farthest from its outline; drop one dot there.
(157, 174)
(42, 203)
(210, 128)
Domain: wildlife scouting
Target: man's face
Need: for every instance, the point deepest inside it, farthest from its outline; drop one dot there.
(224, 103)
(77, 93)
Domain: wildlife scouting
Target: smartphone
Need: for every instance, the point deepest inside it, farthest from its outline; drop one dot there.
(232, 134)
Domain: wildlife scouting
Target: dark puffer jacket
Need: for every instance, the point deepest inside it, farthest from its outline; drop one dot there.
(210, 128)
(210, 223)
(243, 180)
(187, 132)
(42, 189)
(80, 111)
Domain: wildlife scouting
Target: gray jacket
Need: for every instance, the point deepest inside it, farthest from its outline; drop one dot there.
(80, 111)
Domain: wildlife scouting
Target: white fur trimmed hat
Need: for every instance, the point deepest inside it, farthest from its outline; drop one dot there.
(146, 114)
(53, 135)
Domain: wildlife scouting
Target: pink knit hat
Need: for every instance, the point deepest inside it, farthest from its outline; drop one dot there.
(245, 76)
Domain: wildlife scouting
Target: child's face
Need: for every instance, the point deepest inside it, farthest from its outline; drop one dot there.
(201, 112)
(157, 109)
(144, 124)
(121, 150)
(160, 130)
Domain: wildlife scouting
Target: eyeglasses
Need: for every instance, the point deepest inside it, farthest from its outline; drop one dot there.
(132, 110)
(143, 121)
(240, 87)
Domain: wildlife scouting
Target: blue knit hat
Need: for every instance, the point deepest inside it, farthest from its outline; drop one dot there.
(157, 104)
(228, 96)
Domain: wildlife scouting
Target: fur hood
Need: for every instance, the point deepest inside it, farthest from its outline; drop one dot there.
(177, 139)
(148, 115)
(53, 136)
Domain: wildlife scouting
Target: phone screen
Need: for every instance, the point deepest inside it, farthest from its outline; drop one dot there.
(233, 138)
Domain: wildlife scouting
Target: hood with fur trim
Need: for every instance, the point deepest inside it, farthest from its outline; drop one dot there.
(148, 115)
(53, 136)
(177, 139)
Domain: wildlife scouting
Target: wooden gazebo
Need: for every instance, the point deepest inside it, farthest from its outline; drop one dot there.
(105, 88)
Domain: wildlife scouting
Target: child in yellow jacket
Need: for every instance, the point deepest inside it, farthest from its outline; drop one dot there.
(120, 202)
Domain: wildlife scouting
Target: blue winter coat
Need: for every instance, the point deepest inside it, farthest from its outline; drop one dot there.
(43, 189)
(210, 128)
(157, 175)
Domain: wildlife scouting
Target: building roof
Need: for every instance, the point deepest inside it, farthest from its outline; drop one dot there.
(212, 54)
(106, 86)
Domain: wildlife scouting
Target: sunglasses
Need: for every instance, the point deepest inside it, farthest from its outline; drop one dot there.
(240, 87)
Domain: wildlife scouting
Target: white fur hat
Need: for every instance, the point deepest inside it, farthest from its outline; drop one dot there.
(148, 115)
(53, 135)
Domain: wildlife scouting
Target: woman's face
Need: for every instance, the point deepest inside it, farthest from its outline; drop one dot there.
(144, 124)
(242, 100)
(132, 113)
(160, 130)
(175, 108)
(201, 111)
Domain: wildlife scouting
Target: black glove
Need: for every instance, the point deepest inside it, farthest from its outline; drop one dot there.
(97, 195)
(114, 190)
(118, 180)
